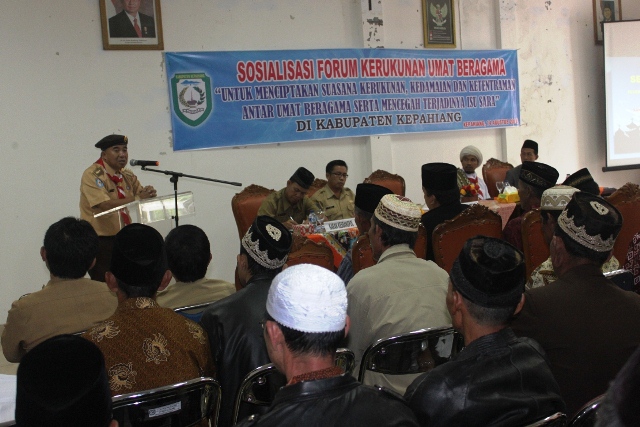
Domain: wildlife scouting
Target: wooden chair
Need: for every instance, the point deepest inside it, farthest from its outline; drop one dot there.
(627, 200)
(316, 185)
(311, 252)
(245, 205)
(449, 237)
(361, 254)
(421, 243)
(493, 171)
(535, 249)
(391, 181)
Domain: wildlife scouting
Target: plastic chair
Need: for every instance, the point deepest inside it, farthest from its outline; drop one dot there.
(556, 420)
(411, 353)
(389, 180)
(245, 206)
(449, 237)
(311, 252)
(536, 250)
(622, 278)
(586, 416)
(493, 171)
(182, 404)
(193, 312)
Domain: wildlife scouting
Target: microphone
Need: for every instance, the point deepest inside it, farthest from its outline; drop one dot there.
(134, 162)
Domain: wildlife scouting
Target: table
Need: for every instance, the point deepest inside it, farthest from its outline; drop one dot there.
(503, 209)
(339, 242)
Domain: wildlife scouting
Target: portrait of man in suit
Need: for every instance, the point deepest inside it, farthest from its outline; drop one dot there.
(129, 22)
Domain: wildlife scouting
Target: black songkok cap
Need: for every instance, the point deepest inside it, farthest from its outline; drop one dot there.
(489, 272)
(303, 177)
(111, 140)
(439, 176)
(530, 143)
(63, 382)
(591, 221)
(268, 242)
(583, 181)
(538, 175)
(368, 196)
(139, 257)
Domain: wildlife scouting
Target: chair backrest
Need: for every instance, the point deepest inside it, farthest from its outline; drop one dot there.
(493, 171)
(535, 249)
(422, 241)
(389, 180)
(194, 311)
(245, 205)
(411, 353)
(586, 416)
(362, 254)
(259, 387)
(316, 185)
(183, 404)
(556, 420)
(627, 200)
(449, 237)
(622, 278)
(318, 253)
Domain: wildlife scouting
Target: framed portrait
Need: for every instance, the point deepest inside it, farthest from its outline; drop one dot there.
(131, 24)
(604, 11)
(438, 18)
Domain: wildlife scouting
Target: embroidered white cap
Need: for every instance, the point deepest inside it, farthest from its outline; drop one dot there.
(308, 298)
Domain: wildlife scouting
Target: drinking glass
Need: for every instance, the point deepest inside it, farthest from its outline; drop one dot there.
(500, 186)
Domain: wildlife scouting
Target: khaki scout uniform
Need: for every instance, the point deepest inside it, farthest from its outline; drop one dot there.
(95, 188)
(278, 207)
(332, 206)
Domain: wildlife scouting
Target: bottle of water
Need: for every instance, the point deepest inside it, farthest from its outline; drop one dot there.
(313, 220)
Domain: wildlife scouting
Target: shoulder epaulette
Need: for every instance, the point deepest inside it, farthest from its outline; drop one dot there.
(98, 171)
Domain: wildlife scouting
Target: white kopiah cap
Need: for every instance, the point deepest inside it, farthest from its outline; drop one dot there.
(308, 298)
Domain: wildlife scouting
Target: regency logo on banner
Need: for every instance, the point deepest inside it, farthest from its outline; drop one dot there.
(192, 101)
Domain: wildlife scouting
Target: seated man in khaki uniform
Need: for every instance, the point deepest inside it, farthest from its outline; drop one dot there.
(68, 303)
(334, 199)
(290, 205)
(188, 256)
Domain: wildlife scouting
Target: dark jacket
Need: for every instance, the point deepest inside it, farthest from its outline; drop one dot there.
(437, 216)
(513, 176)
(120, 26)
(497, 380)
(588, 328)
(337, 401)
(236, 338)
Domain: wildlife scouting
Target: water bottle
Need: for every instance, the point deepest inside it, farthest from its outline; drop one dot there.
(313, 220)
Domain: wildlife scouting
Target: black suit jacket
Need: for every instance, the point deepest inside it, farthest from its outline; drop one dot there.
(120, 26)
(587, 326)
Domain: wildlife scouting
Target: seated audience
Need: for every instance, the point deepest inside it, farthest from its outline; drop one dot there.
(442, 196)
(367, 198)
(535, 177)
(471, 159)
(233, 324)
(69, 302)
(188, 256)
(619, 407)
(334, 199)
(306, 319)
(583, 181)
(62, 382)
(586, 324)
(144, 345)
(528, 153)
(290, 205)
(498, 379)
(401, 293)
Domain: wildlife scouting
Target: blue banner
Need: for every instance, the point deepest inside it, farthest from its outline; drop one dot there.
(223, 99)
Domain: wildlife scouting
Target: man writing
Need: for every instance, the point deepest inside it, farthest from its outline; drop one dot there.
(334, 199)
(290, 205)
(106, 185)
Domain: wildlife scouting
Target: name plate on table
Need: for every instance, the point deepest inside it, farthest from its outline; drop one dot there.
(339, 224)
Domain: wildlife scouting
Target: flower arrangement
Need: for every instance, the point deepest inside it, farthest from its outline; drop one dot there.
(469, 190)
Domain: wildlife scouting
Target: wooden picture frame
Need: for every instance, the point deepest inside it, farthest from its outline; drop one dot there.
(118, 31)
(439, 22)
(613, 11)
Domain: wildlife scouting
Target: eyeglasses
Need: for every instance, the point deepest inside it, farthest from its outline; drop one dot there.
(338, 174)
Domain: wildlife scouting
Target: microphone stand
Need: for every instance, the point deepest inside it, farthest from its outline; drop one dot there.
(174, 179)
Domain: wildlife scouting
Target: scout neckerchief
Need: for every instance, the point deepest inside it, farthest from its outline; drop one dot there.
(121, 195)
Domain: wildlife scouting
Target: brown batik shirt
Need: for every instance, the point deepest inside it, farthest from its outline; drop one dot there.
(146, 346)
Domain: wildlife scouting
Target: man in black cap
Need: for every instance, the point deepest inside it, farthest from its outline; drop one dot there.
(498, 379)
(367, 198)
(290, 205)
(583, 181)
(63, 382)
(586, 324)
(535, 177)
(442, 196)
(144, 345)
(528, 153)
(106, 185)
(233, 323)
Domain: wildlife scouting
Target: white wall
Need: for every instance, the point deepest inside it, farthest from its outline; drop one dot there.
(62, 93)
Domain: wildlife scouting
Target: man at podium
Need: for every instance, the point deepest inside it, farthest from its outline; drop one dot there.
(105, 185)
